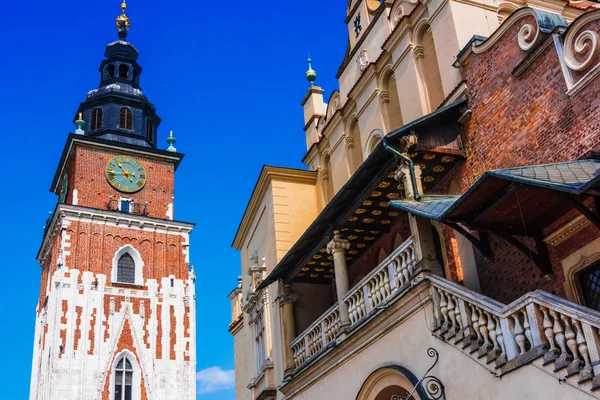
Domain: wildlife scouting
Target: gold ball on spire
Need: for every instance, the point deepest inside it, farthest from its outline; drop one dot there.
(122, 22)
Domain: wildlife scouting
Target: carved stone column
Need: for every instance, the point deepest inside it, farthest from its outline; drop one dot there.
(402, 175)
(286, 301)
(422, 232)
(337, 247)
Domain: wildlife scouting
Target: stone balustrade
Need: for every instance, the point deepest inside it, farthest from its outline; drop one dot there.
(557, 335)
(539, 325)
(380, 285)
(322, 332)
(392, 274)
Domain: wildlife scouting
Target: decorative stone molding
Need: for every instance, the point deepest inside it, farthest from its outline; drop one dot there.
(349, 140)
(529, 34)
(323, 173)
(565, 232)
(362, 60)
(418, 52)
(579, 53)
(337, 244)
(384, 96)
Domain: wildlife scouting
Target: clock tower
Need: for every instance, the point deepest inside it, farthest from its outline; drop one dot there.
(116, 314)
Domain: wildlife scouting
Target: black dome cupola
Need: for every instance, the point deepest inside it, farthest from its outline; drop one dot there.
(118, 110)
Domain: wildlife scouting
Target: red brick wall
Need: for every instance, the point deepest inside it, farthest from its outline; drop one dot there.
(86, 174)
(517, 121)
(93, 247)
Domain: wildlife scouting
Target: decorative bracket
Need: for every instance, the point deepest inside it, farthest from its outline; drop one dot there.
(432, 385)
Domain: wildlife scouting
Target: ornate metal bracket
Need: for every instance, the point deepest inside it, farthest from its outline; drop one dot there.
(432, 386)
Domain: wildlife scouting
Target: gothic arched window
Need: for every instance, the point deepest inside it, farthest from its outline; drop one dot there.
(149, 130)
(126, 269)
(96, 119)
(125, 119)
(590, 286)
(124, 379)
(123, 71)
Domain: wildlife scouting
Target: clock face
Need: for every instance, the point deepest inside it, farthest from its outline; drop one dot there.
(126, 174)
(64, 186)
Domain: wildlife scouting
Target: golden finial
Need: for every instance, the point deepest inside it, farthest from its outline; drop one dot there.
(80, 116)
(122, 22)
(171, 134)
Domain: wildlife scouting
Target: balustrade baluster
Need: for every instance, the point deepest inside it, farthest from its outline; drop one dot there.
(465, 316)
(386, 284)
(501, 359)
(586, 371)
(411, 265)
(451, 327)
(393, 276)
(475, 324)
(404, 265)
(519, 333)
(559, 336)
(527, 328)
(459, 325)
(352, 309)
(380, 288)
(491, 326)
(487, 344)
(576, 363)
(444, 311)
(435, 298)
(552, 353)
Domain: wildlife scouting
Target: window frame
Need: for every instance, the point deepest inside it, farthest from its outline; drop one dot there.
(96, 117)
(126, 356)
(138, 265)
(128, 125)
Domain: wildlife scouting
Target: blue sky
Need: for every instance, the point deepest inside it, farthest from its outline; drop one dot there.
(226, 78)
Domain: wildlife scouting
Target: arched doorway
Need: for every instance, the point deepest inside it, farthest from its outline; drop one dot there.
(391, 381)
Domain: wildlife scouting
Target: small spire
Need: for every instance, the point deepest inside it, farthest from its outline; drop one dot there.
(311, 74)
(122, 22)
(171, 141)
(80, 123)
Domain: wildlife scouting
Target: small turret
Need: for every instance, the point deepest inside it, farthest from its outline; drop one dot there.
(314, 107)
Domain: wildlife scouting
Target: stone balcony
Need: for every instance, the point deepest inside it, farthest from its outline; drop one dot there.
(558, 337)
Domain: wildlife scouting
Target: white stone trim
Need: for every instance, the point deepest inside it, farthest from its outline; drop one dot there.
(575, 263)
(137, 259)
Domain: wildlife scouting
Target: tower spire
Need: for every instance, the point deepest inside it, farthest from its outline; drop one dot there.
(311, 74)
(122, 22)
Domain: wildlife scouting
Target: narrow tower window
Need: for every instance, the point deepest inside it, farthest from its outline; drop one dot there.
(110, 71)
(125, 118)
(96, 119)
(126, 269)
(123, 379)
(123, 71)
(149, 130)
(136, 77)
